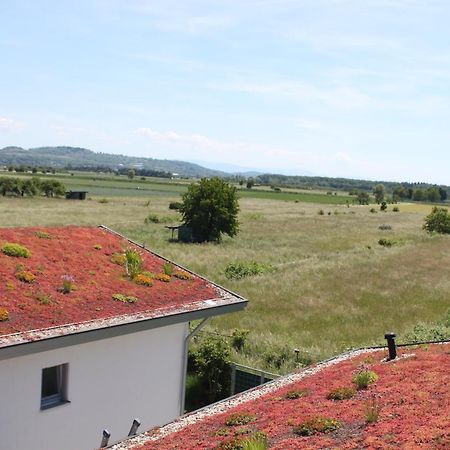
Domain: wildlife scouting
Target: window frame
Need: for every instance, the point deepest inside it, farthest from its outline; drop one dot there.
(60, 398)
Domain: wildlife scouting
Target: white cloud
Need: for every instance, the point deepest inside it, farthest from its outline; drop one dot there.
(10, 125)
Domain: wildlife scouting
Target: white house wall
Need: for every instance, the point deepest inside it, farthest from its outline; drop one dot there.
(110, 383)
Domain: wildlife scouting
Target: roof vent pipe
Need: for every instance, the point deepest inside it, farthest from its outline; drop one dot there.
(134, 426)
(105, 438)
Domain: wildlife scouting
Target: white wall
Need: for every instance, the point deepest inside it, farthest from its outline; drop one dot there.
(111, 382)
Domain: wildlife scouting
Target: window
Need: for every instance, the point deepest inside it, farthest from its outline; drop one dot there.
(54, 386)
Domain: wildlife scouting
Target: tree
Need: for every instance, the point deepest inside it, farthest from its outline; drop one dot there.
(53, 188)
(212, 363)
(250, 183)
(210, 209)
(378, 192)
(363, 198)
(131, 173)
(443, 194)
(438, 221)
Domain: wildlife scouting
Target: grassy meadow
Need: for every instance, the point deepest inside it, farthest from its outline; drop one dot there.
(334, 286)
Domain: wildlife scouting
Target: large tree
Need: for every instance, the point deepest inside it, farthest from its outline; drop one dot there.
(378, 192)
(210, 209)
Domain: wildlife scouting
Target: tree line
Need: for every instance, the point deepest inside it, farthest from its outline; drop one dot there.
(31, 187)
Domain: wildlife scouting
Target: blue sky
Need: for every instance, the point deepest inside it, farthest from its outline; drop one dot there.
(356, 88)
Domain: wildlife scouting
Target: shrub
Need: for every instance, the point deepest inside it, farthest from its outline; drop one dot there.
(103, 200)
(43, 235)
(119, 259)
(43, 299)
(321, 212)
(162, 277)
(168, 268)
(239, 419)
(152, 218)
(396, 209)
(124, 298)
(133, 262)
(143, 280)
(437, 221)
(385, 242)
(25, 276)
(383, 206)
(317, 425)
(175, 205)
(4, 315)
(294, 394)
(373, 210)
(385, 227)
(342, 393)
(183, 275)
(16, 250)
(238, 338)
(238, 270)
(364, 377)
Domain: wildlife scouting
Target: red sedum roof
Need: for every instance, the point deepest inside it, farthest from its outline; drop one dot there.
(411, 395)
(39, 309)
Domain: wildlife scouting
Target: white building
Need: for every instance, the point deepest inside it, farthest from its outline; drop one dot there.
(74, 364)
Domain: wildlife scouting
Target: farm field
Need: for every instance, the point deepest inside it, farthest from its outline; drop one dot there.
(334, 286)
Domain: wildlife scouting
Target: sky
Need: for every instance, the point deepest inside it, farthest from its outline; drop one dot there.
(352, 88)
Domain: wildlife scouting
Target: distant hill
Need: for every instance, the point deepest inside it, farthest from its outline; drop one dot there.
(63, 157)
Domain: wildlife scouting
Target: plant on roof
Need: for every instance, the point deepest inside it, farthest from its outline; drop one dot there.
(239, 419)
(133, 262)
(316, 425)
(119, 259)
(15, 250)
(4, 315)
(43, 299)
(342, 393)
(168, 268)
(43, 235)
(25, 276)
(364, 377)
(183, 275)
(295, 393)
(257, 441)
(162, 277)
(372, 408)
(67, 284)
(143, 280)
(124, 298)
(97, 247)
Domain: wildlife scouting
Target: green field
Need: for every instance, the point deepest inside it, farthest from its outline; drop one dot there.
(334, 286)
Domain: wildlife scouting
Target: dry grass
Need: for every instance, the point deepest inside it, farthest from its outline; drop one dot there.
(335, 287)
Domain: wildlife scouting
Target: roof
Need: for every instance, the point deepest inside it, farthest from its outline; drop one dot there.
(411, 399)
(34, 306)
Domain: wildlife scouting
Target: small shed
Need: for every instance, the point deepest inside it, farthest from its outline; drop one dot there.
(76, 195)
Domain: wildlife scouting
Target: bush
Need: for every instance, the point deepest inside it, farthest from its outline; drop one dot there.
(396, 209)
(168, 268)
(103, 200)
(152, 218)
(43, 235)
(363, 378)
(162, 277)
(238, 270)
(119, 259)
(373, 210)
(317, 425)
(183, 275)
(210, 209)
(175, 205)
(16, 250)
(342, 393)
(238, 338)
(437, 221)
(385, 227)
(383, 206)
(386, 242)
(321, 212)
